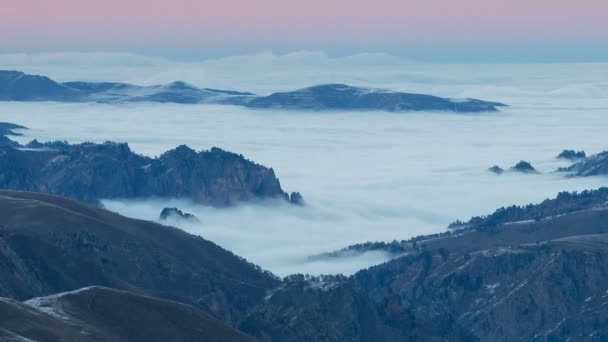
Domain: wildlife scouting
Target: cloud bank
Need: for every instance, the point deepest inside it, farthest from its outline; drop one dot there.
(365, 175)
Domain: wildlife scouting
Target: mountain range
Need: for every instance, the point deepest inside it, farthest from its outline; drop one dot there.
(18, 86)
(529, 280)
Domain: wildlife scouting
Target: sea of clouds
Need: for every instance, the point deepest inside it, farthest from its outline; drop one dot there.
(365, 176)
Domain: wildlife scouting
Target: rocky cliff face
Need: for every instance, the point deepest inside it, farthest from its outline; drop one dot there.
(91, 172)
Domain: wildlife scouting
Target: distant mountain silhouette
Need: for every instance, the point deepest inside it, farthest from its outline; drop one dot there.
(17, 86)
(344, 97)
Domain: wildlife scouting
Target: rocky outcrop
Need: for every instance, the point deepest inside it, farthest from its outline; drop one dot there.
(296, 198)
(91, 172)
(572, 155)
(175, 213)
(594, 165)
(523, 167)
(17, 86)
(104, 315)
(496, 169)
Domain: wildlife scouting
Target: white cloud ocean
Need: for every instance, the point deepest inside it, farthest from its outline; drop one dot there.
(365, 175)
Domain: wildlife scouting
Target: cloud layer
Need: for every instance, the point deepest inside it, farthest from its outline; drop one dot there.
(365, 175)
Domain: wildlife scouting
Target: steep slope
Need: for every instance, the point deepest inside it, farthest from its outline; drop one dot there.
(530, 280)
(552, 291)
(103, 314)
(544, 280)
(51, 244)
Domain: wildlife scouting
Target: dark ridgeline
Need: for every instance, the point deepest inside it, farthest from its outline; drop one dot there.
(17, 86)
(107, 315)
(595, 165)
(514, 281)
(572, 155)
(91, 172)
(51, 244)
(342, 97)
(6, 130)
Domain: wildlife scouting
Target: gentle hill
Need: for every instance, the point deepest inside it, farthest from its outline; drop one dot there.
(103, 314)
(17, 86)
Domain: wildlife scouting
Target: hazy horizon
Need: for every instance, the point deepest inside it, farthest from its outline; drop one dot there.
(472, 31)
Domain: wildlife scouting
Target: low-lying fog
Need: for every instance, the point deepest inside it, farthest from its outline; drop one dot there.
(365, 176)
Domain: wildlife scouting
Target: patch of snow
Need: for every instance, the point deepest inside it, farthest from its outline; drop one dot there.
(519, 222)
(492, 287)
(459, 100)
(51, 306)
(321, 285)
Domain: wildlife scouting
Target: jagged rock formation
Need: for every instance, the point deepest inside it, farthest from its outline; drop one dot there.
(176, 213)
(572, 155)
(17, 86)
(594, 165)
(496, 169)
(296, 198)
(91, 172)
(524, 167)
(107, 315)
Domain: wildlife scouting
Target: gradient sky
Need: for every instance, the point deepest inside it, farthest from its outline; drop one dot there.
(440, 29)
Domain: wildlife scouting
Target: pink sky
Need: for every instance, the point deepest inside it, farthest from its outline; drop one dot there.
(315, 24)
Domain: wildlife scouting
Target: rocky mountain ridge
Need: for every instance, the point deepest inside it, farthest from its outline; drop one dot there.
(91, 172)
